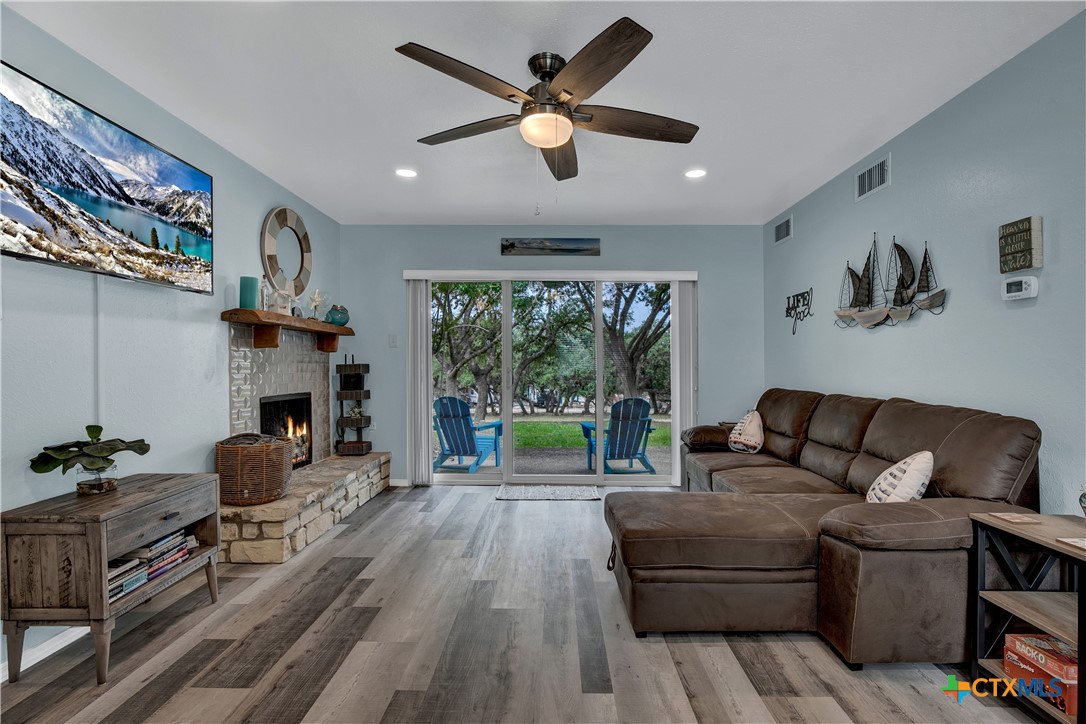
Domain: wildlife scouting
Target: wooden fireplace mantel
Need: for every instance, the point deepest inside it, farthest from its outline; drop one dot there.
(266, 326)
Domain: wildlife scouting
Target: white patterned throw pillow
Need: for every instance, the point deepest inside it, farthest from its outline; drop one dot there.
(746, 436)
(903, 481)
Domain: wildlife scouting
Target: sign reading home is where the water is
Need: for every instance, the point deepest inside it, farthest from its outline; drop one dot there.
(1020, 245)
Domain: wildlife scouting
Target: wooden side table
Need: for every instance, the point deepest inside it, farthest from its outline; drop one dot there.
(1058, 613)
(55, 554)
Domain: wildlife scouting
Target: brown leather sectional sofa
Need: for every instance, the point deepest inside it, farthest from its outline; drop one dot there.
(783, 540)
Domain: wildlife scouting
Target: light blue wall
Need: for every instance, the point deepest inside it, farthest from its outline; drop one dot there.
(1010, 146)
(728, 259)
(164, 353)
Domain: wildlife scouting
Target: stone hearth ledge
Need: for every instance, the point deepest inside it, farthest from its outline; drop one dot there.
(320, 495)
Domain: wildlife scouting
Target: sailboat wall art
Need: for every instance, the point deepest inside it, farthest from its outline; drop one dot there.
(850, 282)
(866, 301)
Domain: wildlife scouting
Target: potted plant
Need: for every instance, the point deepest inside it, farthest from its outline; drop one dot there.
(92, 455)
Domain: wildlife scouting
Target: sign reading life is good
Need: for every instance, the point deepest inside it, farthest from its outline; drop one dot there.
(1020, 245)
(798, 307)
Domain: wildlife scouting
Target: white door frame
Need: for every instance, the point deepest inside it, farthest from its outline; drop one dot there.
(506, 278)
(559, 275)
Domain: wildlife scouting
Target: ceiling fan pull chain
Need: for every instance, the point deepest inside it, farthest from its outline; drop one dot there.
(537, 194)
(557, 164)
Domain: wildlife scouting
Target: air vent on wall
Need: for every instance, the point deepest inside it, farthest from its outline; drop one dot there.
(873, 179)
(783, 230)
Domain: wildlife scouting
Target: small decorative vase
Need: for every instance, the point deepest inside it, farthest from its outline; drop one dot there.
(337, 315)
(1082, 501)
(93, 482)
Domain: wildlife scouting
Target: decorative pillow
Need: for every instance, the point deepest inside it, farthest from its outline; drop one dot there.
(747, 435)
(708, 437)
(903, 481)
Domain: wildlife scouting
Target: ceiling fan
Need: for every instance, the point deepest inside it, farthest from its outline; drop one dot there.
(552, 108)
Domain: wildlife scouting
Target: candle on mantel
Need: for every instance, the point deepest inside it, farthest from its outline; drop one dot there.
(248, 293)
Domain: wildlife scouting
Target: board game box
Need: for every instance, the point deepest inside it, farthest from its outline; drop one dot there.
(1044, 657)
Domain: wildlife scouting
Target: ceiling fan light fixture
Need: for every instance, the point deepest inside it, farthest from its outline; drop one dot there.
(548, 108)
(546, 126)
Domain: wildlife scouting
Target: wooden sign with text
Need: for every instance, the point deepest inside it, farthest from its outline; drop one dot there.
(1020, 245)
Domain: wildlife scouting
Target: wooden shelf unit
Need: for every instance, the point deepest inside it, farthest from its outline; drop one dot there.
(266, 326)
(1053, 612)
(342, 395)
(352, 388)
(56, 552)
(1056, 613)
(345, 423)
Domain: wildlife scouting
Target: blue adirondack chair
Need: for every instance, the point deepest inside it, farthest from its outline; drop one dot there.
(459, 438)
(626, 437)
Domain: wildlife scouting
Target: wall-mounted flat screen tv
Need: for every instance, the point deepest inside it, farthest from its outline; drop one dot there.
(78, 190)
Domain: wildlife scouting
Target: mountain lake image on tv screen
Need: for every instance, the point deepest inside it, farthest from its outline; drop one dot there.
(80, 190)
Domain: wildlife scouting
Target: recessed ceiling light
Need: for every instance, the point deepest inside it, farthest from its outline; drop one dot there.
(695, 173)
(406, 173)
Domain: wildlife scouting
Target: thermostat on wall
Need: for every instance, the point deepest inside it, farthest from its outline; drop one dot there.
(1018, 288)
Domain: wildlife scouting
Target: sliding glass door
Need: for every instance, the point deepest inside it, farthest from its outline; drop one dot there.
(553, 380)
(636, 323)
(466, 359)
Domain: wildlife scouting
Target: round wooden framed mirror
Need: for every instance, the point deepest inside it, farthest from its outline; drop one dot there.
(276, 223)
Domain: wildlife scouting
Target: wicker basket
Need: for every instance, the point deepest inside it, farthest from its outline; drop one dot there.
(253, 469)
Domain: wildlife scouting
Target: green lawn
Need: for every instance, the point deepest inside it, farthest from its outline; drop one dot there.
(568, 434)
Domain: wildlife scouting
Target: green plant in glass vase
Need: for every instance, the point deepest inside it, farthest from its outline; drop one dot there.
(94, 456)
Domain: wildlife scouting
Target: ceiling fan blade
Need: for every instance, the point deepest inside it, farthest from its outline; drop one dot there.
(471, 129)
(464, 72)
(598, 62)
(635, 124)
(562, 161)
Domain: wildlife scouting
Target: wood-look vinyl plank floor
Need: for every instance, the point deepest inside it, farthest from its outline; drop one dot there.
(362, 687)
(807, 710)
(49, 671)
(132, 654)
(445, 605)
(142, 705)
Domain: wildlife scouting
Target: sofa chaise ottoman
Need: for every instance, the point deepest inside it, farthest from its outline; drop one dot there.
(785, 541)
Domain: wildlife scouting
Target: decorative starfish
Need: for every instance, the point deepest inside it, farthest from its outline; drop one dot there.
(317, 300)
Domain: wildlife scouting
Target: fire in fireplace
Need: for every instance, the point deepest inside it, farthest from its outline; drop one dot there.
(290, 416)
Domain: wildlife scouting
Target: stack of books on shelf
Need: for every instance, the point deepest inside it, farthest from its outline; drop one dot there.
(164, 554)
(128, 573)
(125, 575)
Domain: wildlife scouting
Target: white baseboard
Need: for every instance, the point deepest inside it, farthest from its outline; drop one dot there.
(399, 483)
(47, 648)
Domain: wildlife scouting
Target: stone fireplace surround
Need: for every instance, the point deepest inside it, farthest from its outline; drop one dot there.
(321, 494)
(295, 366)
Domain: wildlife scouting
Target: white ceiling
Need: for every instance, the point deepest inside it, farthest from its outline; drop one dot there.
(787, 94)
